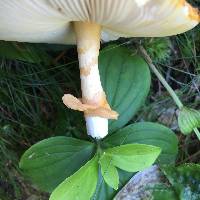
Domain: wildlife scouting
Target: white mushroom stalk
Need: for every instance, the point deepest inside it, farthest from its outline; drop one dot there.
(94, 104)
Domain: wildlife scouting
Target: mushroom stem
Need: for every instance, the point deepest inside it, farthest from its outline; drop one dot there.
(88, 44)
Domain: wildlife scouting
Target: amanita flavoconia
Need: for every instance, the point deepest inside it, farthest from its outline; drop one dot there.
(86, 22)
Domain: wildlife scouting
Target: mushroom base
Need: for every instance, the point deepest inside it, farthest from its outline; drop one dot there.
(96, 117)
(97, 127)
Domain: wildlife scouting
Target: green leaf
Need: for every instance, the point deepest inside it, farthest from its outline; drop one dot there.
(144, 133)
(126, 80)
(79, 186)
(133, 157)
(32, 53)
(188, 119)
(147, 133)
(50, 161)
(109, 172)
(164, 193)
(185, 180)
(103, 191)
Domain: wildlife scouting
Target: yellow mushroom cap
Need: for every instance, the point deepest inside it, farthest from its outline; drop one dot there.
(49, 21)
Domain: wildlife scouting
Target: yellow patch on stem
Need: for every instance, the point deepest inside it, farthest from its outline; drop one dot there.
(85, 71)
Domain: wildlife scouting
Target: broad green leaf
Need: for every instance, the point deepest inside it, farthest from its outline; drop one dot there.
(185, 180)
(133, 157)
(144, 133)
(32, 53)
(124, 158)
(51, 161)
(147, 133)
(79, 186)
(104, 191)
(126, 80)
(109, 172)
(164, 193)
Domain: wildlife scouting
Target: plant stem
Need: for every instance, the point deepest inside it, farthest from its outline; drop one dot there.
(161, 78)
(165, 84)
(197, 132)
(99, 150)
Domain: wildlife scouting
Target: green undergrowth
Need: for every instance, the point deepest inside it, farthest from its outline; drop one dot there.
(31, 108)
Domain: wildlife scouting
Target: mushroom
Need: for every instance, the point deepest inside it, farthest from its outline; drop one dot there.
(86, 22)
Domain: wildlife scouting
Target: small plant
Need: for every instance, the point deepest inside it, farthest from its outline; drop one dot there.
(158, 48)
(66, 165)
(188, 119)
